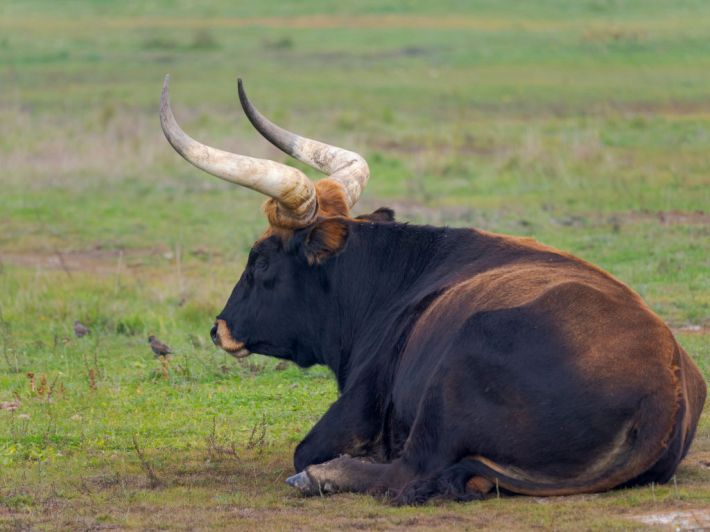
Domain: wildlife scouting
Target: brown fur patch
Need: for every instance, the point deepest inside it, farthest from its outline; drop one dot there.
(603, 318)
(479, 485)
(226, 341)
(331, 203)
(329, 233)
(331, 199)
(326, 238)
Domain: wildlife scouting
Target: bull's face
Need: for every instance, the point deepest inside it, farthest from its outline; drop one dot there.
(258, 304)
(274, 307)
(271, 309)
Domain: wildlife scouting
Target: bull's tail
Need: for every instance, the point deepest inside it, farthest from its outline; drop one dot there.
(475, 476)
(640, 444)
(633, 452)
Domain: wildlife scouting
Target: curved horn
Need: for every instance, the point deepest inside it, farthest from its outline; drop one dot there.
(294, 192)
(346, 167)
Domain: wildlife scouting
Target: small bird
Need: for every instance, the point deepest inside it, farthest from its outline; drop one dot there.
(158, 347)
(80, 329)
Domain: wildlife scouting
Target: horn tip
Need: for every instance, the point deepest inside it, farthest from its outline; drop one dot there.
(242, 93)
(164, 93)
(165, 100)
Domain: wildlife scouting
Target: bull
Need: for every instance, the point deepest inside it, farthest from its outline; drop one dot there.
(464, 359)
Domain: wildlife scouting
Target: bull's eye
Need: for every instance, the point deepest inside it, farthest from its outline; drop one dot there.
(261, 264)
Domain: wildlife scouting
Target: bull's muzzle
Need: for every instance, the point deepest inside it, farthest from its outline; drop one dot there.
(223, 338)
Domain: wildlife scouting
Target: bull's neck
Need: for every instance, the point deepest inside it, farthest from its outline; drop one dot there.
(380, 282)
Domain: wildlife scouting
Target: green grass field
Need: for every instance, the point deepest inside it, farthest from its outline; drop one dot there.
(583, 124)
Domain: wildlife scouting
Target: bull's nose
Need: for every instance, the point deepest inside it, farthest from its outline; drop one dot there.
(213, 334)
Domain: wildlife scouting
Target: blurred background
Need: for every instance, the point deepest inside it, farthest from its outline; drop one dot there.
(584, 124)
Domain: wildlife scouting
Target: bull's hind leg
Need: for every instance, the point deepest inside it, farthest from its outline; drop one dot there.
(460, 482)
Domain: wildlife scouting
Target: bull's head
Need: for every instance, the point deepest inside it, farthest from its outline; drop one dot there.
(307, 226)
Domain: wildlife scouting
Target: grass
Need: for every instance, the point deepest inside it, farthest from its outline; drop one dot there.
(584, 124)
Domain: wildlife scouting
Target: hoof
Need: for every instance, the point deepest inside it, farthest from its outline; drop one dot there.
(301, 481)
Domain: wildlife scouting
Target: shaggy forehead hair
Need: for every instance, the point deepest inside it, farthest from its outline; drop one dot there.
(331, 202)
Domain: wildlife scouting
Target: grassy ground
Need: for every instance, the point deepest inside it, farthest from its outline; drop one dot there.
(584, 124)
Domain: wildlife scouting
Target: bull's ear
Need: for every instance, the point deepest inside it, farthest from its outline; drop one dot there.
(383, 214)
(325, 239)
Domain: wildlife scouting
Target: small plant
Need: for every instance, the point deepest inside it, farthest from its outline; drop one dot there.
(203, 40)
(257, 438)
(282, 43)
(165, 367)
(92, 378)
(42, 388)
(130, 325)
(215, 449)
(7, 348)
(159, 43)
(153, 480)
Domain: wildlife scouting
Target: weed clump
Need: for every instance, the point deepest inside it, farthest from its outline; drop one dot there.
(281, 43)
(159, 43)
(203, 40)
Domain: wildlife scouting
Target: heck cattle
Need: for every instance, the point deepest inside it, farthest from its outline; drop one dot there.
(464, 359)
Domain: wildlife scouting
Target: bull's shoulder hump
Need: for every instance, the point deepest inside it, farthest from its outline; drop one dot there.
(534, 267)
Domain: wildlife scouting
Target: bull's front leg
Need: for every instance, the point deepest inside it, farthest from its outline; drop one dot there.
(339, 475)
(351, 426)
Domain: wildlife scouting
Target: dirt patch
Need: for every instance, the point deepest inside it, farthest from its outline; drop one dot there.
(683, 218)
(412, 211)
(668, 107)
(691, 329)
(109, 481)
(318, 21)
(667, 217)
(629, 31)
(97, 260)
(466, 146)
(407, 210)
(684, 520)
(406, 51)
(616, 220)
